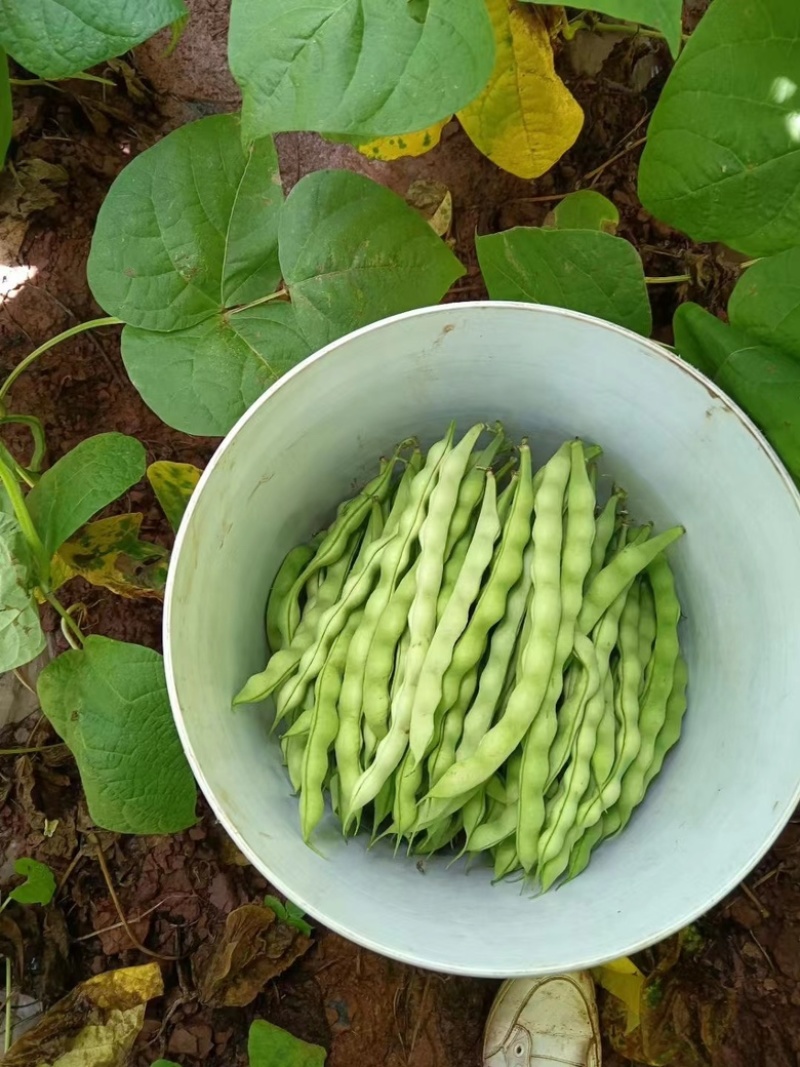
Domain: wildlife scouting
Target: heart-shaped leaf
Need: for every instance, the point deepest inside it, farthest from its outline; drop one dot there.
(206, 334)
(526, 118)
(189, 229)
(584, 270)
(95, 473)
(109, 703)
(352, 252)
(722, 160)
(58, 38)
(367, 67)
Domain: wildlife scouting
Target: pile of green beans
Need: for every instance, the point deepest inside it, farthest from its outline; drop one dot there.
(477, 657)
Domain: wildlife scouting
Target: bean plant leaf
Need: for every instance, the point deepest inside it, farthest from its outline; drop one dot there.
(269, 1046)
(59, 38)
(525, 119)
(289, 913)
(586, 210)
(189, 228)
(663, 15)
(110, 554)
(173, 484)
(202, 379)
(367, 67)
(402, 144)
(21, 636)
(165, 1063)
(761, 379)
(722, 159)
(109, 703)
(584, 270)
(95, 473)
(6, 108)
(766, 302)
(206, 334)
(39, 886)
(353, 252)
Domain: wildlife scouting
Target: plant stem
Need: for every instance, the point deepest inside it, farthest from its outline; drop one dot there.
(37, 433)
(25, 752)
(672, 279)
(93, 324)
(70, 623)
(246, 307)
(11, 486)
(7, 1041)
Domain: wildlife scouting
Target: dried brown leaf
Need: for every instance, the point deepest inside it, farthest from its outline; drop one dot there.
(254, 948)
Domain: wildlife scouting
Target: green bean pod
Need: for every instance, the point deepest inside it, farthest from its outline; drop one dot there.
(578, 538)
(653, 714)
(605, 527)
(670, 732)
(453, 623)
(619, 573)
(322, 733)
(288, 572)
(421, 618)
(501, 739)
(352, 518)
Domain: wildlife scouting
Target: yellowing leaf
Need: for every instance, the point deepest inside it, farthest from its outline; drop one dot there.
(404, 144)
(93, 1026)
(108, 553)
(173, 484)
(623, 979)
(525, 119)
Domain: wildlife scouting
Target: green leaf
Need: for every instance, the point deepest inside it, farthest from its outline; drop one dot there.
(722, 160)
(6, 108)
(766, 302)
(21, 636)
(202, 379)
(173, 484)
(39, 886)
(289, 913)
(190, 265)
(586, 210)
(353, 252)
(366, 67)
(189, 228)
(583, 270)
(762, 380)
(269, 1046)
(95, 473)
(663, 15)
(109, 703)
(58, 38)
(165, 1063)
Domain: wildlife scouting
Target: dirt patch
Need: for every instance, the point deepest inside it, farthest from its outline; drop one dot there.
(177, 891)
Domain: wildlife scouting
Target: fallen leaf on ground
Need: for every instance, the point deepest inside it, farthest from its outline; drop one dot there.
(434, 201)
(269, 1046)
(93, 1026)
(525, 119)
(254, 948)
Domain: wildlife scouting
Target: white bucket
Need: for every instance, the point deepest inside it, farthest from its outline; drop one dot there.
(683, 452)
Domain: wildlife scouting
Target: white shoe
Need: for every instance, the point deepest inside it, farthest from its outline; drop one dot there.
(543, 1022)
